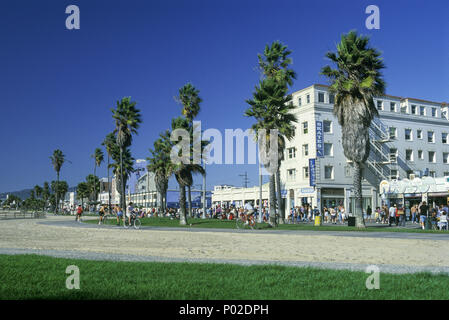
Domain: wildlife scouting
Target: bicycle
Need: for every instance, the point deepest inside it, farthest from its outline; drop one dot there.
(135, 222)
(244, 220)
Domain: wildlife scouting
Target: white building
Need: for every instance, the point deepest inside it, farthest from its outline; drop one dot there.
(408, 139)
(226, 195)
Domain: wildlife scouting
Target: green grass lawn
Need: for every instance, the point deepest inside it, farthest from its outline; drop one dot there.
(227, 224)
(41, 277)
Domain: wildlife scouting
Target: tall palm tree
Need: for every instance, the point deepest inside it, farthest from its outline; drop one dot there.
(355, 82)
(127, 120)
(110, 144)
(190, 100)
(271, 106)
(57, 159)
(275, 64)
(183, 172)
(98, 160)
(122, 164)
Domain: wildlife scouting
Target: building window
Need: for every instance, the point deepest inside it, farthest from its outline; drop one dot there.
(321, 97)
(392, 131)
(408, 135)
(393, 154)
(444, 137)
(328, 150)
(393, 174)
(409, 155)
(430, 136)
(420, 155)
(328, 172)
(422, 111)
(327, 126)
(331, 98)
(445, 157)
(379, 105)
(305, 150)
(413, 109)
(419, 134)
(434, 112)
(432, 174)
(432, 156)
(299, 101)
(308, 98)
(305, 172)
(305, 127)
(392, 107)
(291, 153)
(446, 173)
(291, 174)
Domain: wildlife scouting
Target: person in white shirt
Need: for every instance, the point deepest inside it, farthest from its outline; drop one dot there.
(443, 220)
(392, 213)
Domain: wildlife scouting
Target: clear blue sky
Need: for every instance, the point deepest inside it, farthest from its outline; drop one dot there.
(57, 86)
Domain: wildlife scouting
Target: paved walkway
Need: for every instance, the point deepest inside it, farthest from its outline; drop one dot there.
(393, 252)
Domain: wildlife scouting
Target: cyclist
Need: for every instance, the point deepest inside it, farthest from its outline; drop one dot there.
(249, 210)
(129, 212)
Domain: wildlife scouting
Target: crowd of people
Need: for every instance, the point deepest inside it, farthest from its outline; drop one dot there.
(392, 215)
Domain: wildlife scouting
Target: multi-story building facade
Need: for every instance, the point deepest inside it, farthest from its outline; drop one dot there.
(409, 138)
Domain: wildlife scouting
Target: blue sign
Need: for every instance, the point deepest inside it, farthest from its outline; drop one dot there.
(312, 172)
(284, 193)
(319, 139)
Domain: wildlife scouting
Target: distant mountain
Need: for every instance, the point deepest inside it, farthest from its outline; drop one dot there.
(24, 194)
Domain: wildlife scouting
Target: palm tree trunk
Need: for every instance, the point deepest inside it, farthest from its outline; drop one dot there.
(272, 187)
(189, 194)
(56, 192)
(95, 185)
(122, 197)
(109, 190)
(182, 205)
(358, 212)
(279, 196)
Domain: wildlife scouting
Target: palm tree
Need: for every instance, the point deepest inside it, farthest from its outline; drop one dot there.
(93, 183)
(37, 191)
(183, 172)
(355, 82)
(99, 158)
(45, 193)
(161, 166)
(82, 192)
(125, 166)
(274, 64)
(271, 106)
(190, 100)
(110, 144)
(127, 120)
(57, 159)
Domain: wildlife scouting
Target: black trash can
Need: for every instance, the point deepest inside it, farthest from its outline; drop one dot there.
(351, 221)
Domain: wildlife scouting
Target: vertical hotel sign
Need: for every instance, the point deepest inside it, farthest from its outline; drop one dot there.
(312, 172)
(319, 139)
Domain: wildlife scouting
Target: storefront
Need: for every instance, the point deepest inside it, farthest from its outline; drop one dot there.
(435, 191)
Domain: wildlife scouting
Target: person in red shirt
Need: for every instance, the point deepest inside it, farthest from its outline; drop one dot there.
(79, 211)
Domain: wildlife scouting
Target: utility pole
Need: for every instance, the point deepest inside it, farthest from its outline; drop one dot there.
(245, 179)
